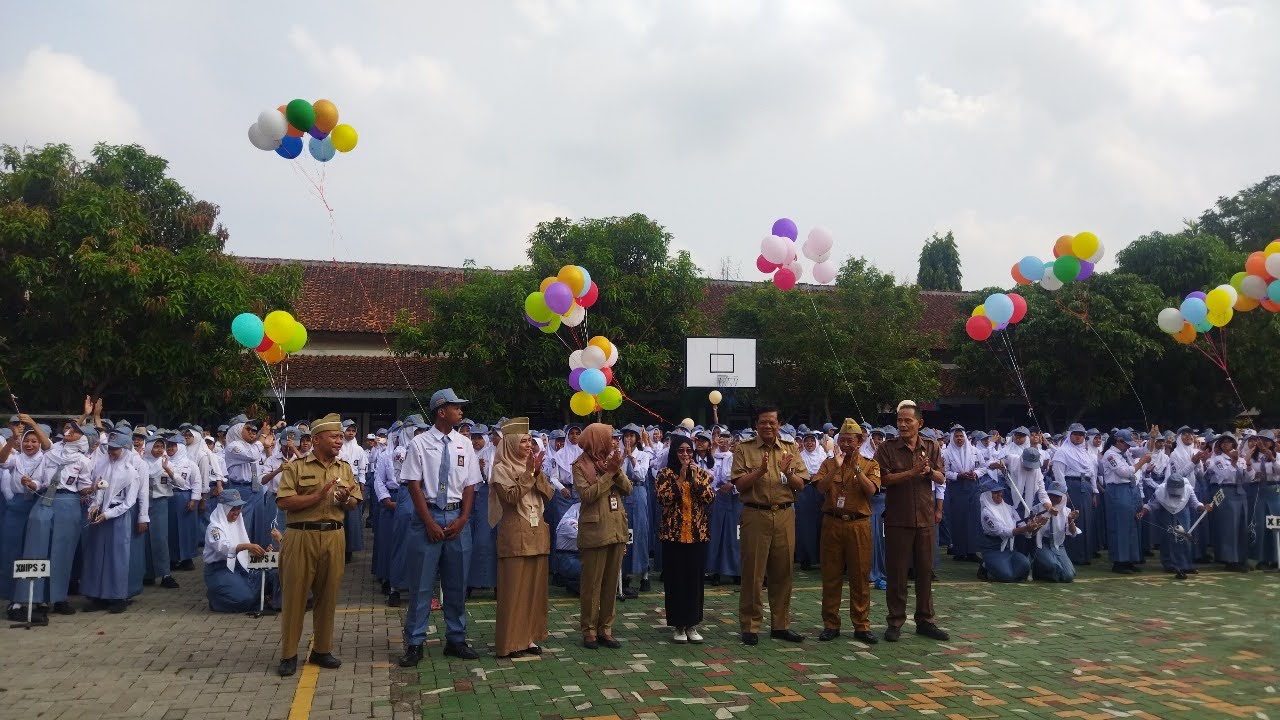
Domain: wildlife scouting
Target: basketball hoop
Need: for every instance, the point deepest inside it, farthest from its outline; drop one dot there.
(726, 381)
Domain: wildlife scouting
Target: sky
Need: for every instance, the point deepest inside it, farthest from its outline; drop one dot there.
(1007, 122)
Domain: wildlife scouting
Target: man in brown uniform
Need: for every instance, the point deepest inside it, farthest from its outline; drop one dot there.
(768, 473)
(910, 465)
(316, 491)
(846, 483)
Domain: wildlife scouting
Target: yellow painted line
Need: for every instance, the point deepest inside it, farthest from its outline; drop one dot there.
(306, 690)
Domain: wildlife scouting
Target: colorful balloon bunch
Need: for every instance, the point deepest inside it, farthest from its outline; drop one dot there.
(778, 254)
(282, 130)
(562, 298)
(999, 311)
(1075, 257)
(273, 338)
(1200, 312)
(591, 377)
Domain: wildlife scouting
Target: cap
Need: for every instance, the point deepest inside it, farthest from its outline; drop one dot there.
(1175, 486)
(632, 428)
(332, 421)
(1020, 430)
(1075, 427)
(1057, 487)
(231, 498)
(516, 426)
(479, 429)
(120, 442)
(370, 436)
(849, 427)
(347, 423)
(828, 427)
(1184, 429)
(1124, 436)
(445, 397)
(174, 439)
(989, 483)
(1030, 458)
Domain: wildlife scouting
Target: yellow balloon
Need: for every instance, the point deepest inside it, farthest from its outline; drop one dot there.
(601, 342)
(570, 275)
(715, 397)
(1218, 318)
(1218, 300)
(1273, 247)
(279, 326)
(326, 115)
(980, 310)
(582, 403)
(1084, 245)
(344, 138)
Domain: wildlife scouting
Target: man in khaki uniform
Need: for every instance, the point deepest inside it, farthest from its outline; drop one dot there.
(316, 491)
(847, 483)
(768, 473)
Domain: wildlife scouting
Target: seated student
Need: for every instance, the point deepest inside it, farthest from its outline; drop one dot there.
(1000, 562)
(230, 585)
(1050, 562)
(1171, 506)
(566, 562)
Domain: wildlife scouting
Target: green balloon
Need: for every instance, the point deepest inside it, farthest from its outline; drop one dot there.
(1066, 268)
(535, 305)
(553, 326)
(300, 114)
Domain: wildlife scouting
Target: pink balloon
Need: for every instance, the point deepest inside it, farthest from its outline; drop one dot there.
(764, 265)
(784, 279)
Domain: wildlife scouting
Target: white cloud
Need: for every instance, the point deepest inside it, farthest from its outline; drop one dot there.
(55, 97)
(941, 105)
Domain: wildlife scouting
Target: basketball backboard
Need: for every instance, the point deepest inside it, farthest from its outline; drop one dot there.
(720, 362)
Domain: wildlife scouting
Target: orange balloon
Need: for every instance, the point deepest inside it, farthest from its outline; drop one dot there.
(1256, 264)
(1063, 246)
(1187, 334)
(1271, 306)
(326, 115)
(1244, 303)
(272, 355)
(292, 131)
(1017, 276)
(545, 283)
(601, 342)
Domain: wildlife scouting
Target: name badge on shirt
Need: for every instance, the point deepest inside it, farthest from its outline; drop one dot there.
(533, 518)
(462, 461)
(613, 503)
(840, 502)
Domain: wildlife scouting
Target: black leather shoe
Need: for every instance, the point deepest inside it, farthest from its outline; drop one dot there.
(533, 650)
(749, 638)
(460, 650)
(930, 630)
(64, 608)
(891, 634)
(411, 657)
(169, 582)
(393, 598)
(148, 581)
(115, 607)
(828, 634)
(187, 565)
(866, 636)
(386, 587)
(610, 643)
(288, 666)
(1180, 576)
(1121, 569)
(645, 585)
(630, 593)
(590, 644)
(324, 660)
(789, 635)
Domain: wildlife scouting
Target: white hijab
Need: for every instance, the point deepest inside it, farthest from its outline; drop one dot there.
(234, 532)
(1076, 460)
(1056, 528)
(959, 458)
(1000, 517)
(1172, 504)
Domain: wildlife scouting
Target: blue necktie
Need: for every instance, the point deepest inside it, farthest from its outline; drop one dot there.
(442, 491)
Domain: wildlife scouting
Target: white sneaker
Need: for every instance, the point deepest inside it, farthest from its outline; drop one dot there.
(693, 635)
(680, 637)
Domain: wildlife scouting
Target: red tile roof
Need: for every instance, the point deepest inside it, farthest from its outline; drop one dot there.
(360, 372)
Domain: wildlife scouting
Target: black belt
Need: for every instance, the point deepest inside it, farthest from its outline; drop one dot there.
(1075, 477)
(326, 525)
(779, 506)
(843, 516)
(447, 508)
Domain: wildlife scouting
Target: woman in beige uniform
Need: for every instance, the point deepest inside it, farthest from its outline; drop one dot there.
(519, 488)
(602, 531)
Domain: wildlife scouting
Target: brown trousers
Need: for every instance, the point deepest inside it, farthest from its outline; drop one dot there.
(310, 560)
(902, 546)
(599, 588)
(768, 550)
(846, 543)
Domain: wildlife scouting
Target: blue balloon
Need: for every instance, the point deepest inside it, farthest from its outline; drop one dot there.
(1031, 268)
(247, 329)
(592, 381)
(586, 281)
(1273, 291)
(290, 147)
(999, 308)
(322, 150)
(1195, 311)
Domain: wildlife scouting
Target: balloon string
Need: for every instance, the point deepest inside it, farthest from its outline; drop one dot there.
(627, 397)
(285, 391)
(12, 398)
(1119, 367)
(835, 356)
(272, 381)
(1031, 412)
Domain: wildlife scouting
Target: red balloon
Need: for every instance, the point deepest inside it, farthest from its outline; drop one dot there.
(784, 279)
(1271, 305)
(608, 375)
(765, 266)
(978, 327)
(266, 344)
(590, 298)
(1019, 307)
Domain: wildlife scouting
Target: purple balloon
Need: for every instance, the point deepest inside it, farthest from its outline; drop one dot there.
(1001, 326)
(1196, 294)
(1086, 269)
(535, 323)
(783, 227)
(317, 133)
(575, 377)
(559, 297)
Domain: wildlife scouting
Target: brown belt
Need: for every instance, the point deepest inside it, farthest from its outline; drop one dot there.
(844, 516)
(758, 506)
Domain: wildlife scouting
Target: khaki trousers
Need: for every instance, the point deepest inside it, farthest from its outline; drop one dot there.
(768, 550)
(599, 588)
(310, 560)
(846, 543)
(902, 546)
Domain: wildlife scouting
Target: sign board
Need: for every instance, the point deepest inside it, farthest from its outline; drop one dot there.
(631, 536)
(1273, 522)
(720, 362)
(1219, 497)
(270, 560)
(30, 568)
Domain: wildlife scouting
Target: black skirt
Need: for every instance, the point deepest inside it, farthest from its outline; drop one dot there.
(683, 565)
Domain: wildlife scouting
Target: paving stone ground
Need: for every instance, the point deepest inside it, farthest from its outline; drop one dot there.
(1106, 646)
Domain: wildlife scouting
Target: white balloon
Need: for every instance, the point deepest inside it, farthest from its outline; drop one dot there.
(593, 357)
(822, 258)
(1231, 291)
(820, 240)
(575, 316)
(1170, 320)
(272, 124)
(825, 272)
(796, 268)
(1273, 265)
(575, 360)
(1049, 281)
(1094, 258)
(775, 249)
(1254, 286)
(613, 356)
(261, 142)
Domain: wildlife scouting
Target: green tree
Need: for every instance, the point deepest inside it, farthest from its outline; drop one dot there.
(648, 304)
(852, 346)
(117, 285)
(1180, 263)
(1248, 220)
(939, 264)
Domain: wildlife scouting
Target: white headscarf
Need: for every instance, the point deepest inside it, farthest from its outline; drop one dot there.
(1181, 457)
(813, 460)
(1056, 528)
(234, 532)
(1076, 460)
(1172, 504)
(962, 458)
(1000, 519)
